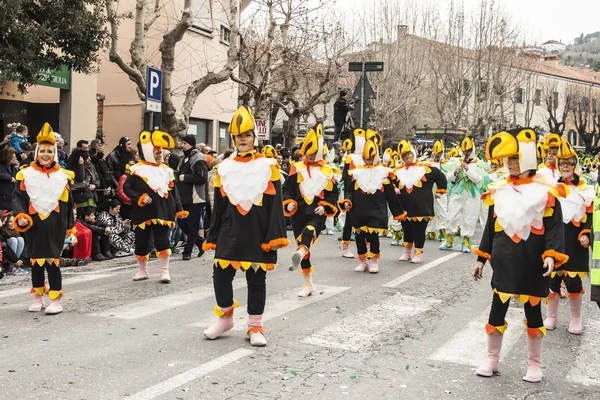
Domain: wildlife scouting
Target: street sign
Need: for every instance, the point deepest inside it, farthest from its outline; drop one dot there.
(262, 129)
(364, 93)
(153, 89)
(368, 66)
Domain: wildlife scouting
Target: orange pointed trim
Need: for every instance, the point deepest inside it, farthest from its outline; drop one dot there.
(279, 243)
(70, 231)
(219, 312)
(244, 265)
(255, 329)
(533, 332)
(420, 219)
(483, 254)
(332, 209)
(362, 256)
(552, 294)
(373, 255)
(551, 201)
(270, 189)
(25, 228)
(47, 171)
(371, 230)
(418, 251)
(584, 232)
(307, 271)
(442, 191)
(489, 329)
(519, 181)
(576, 295)
(538, 232)
(285, 210)
(241, 210)
(55, 294)
(182, 214)
(163, 253)
(559, 258)
(209, 246)
(142, 258)
(408, 244)
(409, 189)
(523, 298)
(140, 201)
(22, 186)
(342, 205)
(345, 241)
(246, 159)
(42, 261)
(40, 291)
(401, 217)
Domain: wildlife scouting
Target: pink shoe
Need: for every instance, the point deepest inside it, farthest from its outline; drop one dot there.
(142, 273)
(575, 305)
(308, 286)
(534, 360)
(346, 253)
(490, 365)
(38, 303)
(374, 265)
(55, 307)
(164, 268)
(418, 258)
(224, 323)
(363, 266)
(255, 331)
(552, 314)
(407, 254)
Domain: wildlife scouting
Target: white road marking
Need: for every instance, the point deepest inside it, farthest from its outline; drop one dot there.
(79, 279)
(358, 331)
(400, 280)
(188, 376)
(155, 305)
(468, 346)
(586, 369)
(278, 305)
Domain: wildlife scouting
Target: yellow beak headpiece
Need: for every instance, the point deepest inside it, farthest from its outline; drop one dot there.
(565, 150)
(371, 151)
(46, 134)
(438, 147)
(541, 151)
(269, 151)
(360, 139)
(466, 144)
(553, 141)
(314, 143)
(347, 145)
(404, 147)
(521, 142)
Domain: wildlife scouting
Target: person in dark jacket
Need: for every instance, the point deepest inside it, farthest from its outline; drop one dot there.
(106, 179)
(85, 182)
(191, 185)
(100, 234)
(340, 111)
(8, 171)
(118, 159)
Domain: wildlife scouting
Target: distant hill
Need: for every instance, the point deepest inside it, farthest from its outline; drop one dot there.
(583, 52)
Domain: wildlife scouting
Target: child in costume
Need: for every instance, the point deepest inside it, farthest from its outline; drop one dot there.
(577, 208)
(470, 181)
(438, 225)
(43, 206)
(524, 241)
(416, 181)
(548, 169)
(246, 229)
(495, 173)
(370, 195)
(155, 202)
(392, 160)
(309, 195)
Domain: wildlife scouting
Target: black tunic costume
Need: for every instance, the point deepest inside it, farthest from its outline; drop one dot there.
(524, 227)
(43, 197)
(577, 207)
(309, 186)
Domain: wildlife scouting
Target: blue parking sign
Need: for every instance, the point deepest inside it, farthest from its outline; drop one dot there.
(154, 84)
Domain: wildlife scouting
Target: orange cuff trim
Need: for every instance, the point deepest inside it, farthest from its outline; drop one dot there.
(164, 253)
(332, 209)
(209, 246)
(281, 242)
(576, 295)
(559, 258)
(141, 199)
(482, 254)
(401, 217)
(342, 205)
(489, 329)
(285, 210)
(255, 329)
(40, 291)
(142, 258)
(182, 214)
(307, 271)
(408, 244)
(418, 251)
(228, 311)
(584, 232)
(55, 294)
(533, 332)
(25, 228)
(443, 191)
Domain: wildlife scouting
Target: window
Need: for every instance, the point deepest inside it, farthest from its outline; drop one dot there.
(483, 90)
(585, 104)
(520, 96)
(201, 128)
(538, 97)
(225, 34)
(224, 137)
(466, 87)
(203, 18)
(555, 100)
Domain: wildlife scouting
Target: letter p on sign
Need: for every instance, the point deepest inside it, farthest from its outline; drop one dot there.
(154, 84)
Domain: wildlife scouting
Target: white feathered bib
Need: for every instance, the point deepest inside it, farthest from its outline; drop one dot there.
(575, 204)
(44, 190)
(411, 176)
(158, 177)
(370, 179)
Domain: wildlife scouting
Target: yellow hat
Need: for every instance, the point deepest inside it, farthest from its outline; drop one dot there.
(521, 142)
(466, 144)
(46, 134)
(242, 121)
(553, 141)
(565, 150)
(371, 150)
(269, 151)
(438, 147)
(314, 143)
(404, 147)
(541, 150)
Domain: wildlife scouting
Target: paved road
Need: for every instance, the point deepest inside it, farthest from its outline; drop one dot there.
(409, 332)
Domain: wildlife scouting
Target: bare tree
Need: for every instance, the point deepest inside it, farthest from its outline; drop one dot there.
(145, 14)
(558, 105)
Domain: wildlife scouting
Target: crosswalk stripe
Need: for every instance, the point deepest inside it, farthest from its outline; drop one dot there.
(158, 304)
(400, 280)
(468, 346)
(278, 304)
(78, 279)
(586, 369)
(188, 376)
(358, 331)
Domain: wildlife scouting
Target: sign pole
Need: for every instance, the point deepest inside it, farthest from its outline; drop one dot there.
(362, 96)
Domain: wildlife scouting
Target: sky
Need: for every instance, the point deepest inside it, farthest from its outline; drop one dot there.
(540, 20)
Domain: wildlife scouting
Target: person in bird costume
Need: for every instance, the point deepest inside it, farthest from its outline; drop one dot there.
(549, 169)
(416, 181)
(154, 202)
(541, 151)
(438, 225)
(43, 208)
(309, 195)
(353, 158)
(369, 197)
(577, 207)
(470, 181)
(390, 159)
(246, 229)
(586, 171)
(495, 173)
(594, 171)
(523, 240)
